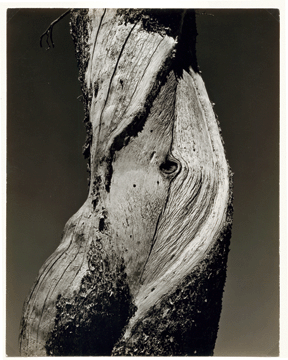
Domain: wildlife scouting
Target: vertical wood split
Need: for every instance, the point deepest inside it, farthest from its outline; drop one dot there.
(142, 265)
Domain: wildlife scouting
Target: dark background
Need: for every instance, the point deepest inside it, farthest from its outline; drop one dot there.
(238, 53)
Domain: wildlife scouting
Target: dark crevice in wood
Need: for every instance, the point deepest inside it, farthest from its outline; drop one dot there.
(139, 81)
(177, 23)
(153, 239)
(138, 122)
(186, 47)
(169, 166)
(167, 198)
(92, 320)
(99, 27)
(181, 314)
(169, 22)
(114, 71)
(185, 322)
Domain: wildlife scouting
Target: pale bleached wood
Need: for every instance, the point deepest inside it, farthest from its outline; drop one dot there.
(155, 228)
(196, 210)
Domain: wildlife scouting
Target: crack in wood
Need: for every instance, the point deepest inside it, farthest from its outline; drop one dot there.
(148, 248)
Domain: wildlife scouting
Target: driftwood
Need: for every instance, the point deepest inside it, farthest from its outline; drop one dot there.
(141, 266)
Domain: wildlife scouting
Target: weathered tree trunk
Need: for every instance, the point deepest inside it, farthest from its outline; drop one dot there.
(141, 266)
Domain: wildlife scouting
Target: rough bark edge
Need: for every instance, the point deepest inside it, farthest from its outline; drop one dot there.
(186, 321)
(79, 24)
(162, 21)
(89, 323)
(137, 125)
(166, 22)
(213, 257)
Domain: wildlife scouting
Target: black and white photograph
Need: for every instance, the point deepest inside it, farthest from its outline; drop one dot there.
(142, 214)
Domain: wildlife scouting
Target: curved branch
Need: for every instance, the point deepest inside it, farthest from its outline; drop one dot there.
(48, 31)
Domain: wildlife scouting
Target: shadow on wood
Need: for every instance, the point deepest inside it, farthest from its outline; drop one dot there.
(141, 266)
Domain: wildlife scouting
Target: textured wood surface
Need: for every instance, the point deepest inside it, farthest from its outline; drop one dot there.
(155, 228)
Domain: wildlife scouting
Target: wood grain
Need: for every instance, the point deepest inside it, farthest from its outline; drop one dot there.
(159, 201)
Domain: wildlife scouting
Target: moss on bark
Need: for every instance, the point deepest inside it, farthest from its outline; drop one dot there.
(92, 320)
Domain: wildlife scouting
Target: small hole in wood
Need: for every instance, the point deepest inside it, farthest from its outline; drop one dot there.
(169, 166)
(134, 185)
(94, 203)
(96, 88)
(101, 224)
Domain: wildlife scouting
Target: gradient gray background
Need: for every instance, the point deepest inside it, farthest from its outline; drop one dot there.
(238, 53)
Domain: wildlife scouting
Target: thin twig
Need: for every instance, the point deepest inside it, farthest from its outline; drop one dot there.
(48, 32)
